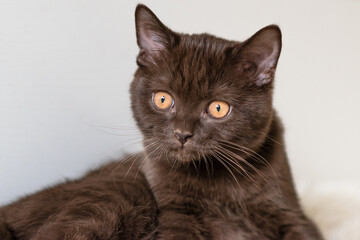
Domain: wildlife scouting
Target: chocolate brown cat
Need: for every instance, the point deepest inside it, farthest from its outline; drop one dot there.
(214, 164)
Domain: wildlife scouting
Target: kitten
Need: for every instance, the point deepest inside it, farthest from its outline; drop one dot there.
(214, 164)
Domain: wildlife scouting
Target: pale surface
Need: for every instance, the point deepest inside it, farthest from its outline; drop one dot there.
(65, 67)
(335, 208)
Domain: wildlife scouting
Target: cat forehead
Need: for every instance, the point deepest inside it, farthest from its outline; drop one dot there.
(196, 69)
(192, 90)
(202, 46)
(200, 66)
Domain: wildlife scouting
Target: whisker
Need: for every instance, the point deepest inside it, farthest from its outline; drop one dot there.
(271, 138)
(146, 157)
(192, 161)
(202, 155)
(133, 162)
(236, 164)
(122, 162)
(253, 168)
(252, 153)
(224, 164)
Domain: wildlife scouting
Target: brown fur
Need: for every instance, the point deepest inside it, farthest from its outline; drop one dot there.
(229, 180)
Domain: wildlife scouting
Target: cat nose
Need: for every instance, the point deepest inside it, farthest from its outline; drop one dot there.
(182, 136)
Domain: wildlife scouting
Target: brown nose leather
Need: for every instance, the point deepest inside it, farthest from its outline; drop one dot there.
(182, 137)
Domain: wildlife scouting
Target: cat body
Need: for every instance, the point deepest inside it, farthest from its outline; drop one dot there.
(202, 204)
(214, 164)
(109, 203)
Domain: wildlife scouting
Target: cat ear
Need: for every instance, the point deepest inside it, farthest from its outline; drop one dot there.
(152, 35)
(260, 53)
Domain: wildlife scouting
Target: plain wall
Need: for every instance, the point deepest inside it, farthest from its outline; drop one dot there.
(66, 65)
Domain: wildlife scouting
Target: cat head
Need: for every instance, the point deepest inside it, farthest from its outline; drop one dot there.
(193, 95)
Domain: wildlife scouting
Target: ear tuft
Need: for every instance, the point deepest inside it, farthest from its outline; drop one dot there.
(152, 35)
(260, 53)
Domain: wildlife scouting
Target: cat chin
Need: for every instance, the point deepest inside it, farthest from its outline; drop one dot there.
(185, 156)
(176, 155)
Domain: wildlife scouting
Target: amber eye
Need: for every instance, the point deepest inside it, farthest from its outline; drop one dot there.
(163, 100)
(218, 109)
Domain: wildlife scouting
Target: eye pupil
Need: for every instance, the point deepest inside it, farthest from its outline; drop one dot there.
(218, 108)
(162, 100)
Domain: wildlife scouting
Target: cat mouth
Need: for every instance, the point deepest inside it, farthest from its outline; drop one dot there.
(181, 157)
(185, 154)
(173, 152)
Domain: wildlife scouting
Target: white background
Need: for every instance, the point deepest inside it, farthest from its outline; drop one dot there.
(65, 68)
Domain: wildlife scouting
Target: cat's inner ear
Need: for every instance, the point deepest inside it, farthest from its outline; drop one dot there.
(152, 35)
(260, 53)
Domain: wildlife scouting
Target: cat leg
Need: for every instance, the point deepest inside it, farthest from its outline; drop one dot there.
(103, 205)
(106, 221)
